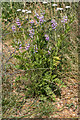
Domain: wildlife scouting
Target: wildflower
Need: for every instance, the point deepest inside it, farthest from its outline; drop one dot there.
(18, 23)
(59, 9)
(37, 15)
(18, 9)
(27, 46)
(35, 49)
(67, 7)
(49, 52)
(28, 11)
(41, 19)
(64, 20)
(23, 10)
(54, 24)
(18, 42)
(36, 22)
(20, 46)
(45, 2)
(13, 28)
(43, 13)
(46, 37)
(54, 4)
(31, 33)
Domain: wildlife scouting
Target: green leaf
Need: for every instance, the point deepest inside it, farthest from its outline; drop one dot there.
(53, 97)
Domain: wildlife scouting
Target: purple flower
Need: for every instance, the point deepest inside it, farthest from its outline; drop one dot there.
(37, 15)
(64, 20)
(36, 22)
(18, 42)
(41, 19)
(35, 49)
(20, 46)
(18, 22)
(54, 24)
(13, 28)
(31, 33)
(49, 52)
(46, 37)
(27, 46)
(43, 13)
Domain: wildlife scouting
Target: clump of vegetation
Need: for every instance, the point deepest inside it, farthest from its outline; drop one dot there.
(41, 40)
(41, 57)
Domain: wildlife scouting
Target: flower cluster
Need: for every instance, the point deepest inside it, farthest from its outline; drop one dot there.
(67, 6)
(27, 46)
(49, 51)
(37, 15)
(27, 11)
(59, 9)
(35, 49)
(13, 28)
(64, 20)
(46, 37)
(41, 18)
(18, 9)
(54, 5)
(54, 24)
(31, 33)
(20, 45)
(43, 13)
(44, 2)
(18, 22)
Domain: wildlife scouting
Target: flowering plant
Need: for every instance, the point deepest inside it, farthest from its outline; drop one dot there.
(41, 57)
